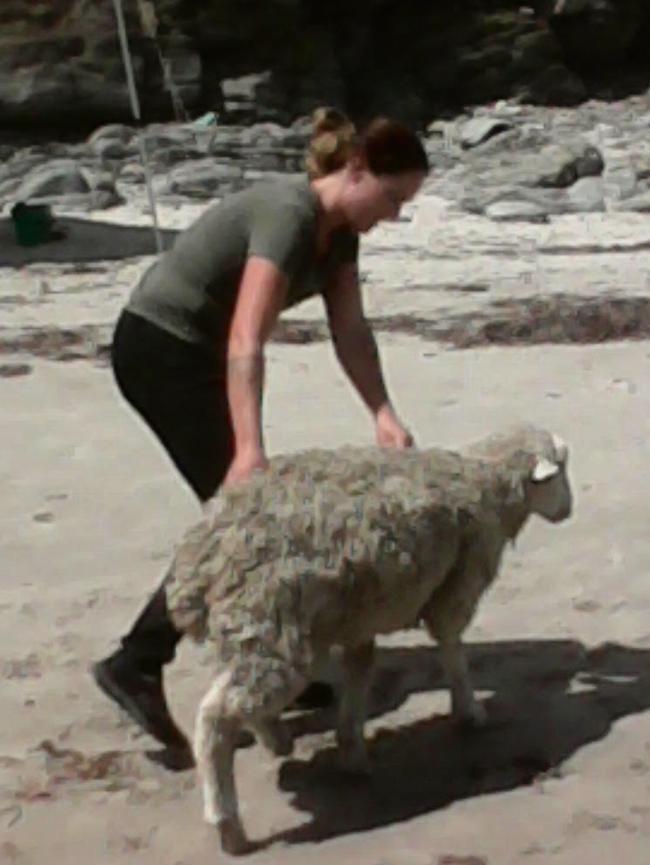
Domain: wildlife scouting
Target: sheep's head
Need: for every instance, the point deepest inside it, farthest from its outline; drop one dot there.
(537, 463)
(547, 487)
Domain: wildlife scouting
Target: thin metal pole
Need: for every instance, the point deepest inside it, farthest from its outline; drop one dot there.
(135, 108)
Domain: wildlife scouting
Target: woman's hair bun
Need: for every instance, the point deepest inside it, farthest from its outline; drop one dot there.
(333, 141)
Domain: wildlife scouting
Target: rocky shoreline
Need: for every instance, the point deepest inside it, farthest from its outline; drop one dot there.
(508, 161)
(532, 228)
(275, 60)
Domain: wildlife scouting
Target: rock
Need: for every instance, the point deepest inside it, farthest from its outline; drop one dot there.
(588, 160)
(486, 86)
(550, 166)
(34, 88)
(253, 97)
(204, 179)
(161, 136)
(476, 62)
(526, 178)
(556, 85)
(114, 141)
(183, 66)
(56, 178)
(620, 178)
(562, 165)
(6, 152)
(400, 98)
(513, 210)
(107, 149)
(272, 134)
(636, 203)
(479, 129)
(594, 33)
(587, 195)
(262, 146)
(132, 172)
(533, 51)
(63, 64)
(64, 182)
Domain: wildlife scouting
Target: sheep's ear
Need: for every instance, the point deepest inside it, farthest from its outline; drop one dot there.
(544, 469)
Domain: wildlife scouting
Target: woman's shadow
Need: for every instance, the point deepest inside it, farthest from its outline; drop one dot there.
(549, 698)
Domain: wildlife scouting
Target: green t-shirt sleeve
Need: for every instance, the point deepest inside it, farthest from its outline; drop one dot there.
(282, 235)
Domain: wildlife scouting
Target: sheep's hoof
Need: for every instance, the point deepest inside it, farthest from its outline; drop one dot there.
(232, 837)
(211, 816)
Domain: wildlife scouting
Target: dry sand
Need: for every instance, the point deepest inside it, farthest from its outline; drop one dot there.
(560, 648)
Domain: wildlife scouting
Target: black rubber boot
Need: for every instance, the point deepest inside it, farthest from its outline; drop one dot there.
(140, 693)
(133, 676)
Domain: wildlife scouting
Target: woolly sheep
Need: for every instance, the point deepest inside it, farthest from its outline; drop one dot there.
(331, 548)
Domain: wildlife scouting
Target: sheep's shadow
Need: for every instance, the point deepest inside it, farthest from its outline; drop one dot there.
(549, 698)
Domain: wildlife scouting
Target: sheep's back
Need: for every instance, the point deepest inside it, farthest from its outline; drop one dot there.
(321, 538)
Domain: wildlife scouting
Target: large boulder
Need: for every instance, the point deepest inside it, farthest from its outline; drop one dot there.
(597, 32)
(252, 61)
(35, 177)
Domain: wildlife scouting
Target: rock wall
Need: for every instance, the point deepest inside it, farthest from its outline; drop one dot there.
(274, 60)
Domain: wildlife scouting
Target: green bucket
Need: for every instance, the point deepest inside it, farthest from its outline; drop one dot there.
(32, 223)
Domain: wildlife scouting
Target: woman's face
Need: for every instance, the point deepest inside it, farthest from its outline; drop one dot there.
(371, 198)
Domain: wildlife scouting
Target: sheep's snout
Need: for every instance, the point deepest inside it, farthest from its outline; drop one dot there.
(550, 492)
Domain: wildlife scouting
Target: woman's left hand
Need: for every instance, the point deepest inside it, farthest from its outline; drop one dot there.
(390, 432)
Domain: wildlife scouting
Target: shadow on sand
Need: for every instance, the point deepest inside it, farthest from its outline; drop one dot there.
(549, 699)
(85, 240)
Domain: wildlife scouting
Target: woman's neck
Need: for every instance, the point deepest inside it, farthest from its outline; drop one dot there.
(329, 191)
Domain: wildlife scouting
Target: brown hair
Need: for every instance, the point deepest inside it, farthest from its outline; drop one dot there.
(385, 146)
(333, 142)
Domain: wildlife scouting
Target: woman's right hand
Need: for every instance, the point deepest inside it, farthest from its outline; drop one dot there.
(244, 465)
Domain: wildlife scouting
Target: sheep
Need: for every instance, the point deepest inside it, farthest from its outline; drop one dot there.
(330, 548)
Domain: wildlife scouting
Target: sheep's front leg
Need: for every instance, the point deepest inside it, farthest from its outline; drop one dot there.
(357, 671)
(447, 615)
(464, 706)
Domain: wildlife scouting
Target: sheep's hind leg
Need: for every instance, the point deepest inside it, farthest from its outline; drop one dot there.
(251, 694)
(357, 670)
(214, 749)
(274, 685)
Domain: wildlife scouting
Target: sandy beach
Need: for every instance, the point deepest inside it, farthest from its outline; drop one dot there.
(560, 649)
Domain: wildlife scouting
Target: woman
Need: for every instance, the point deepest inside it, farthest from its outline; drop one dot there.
(188, 349)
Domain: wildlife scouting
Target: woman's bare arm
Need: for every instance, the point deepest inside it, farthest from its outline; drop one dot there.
(260, 299)
(356, 350)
